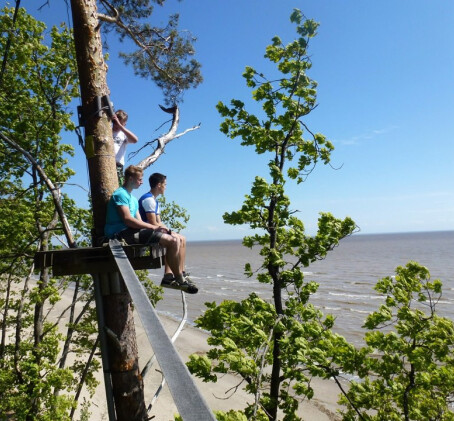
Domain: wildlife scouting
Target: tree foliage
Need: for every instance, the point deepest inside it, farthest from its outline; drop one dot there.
(163, 54)
(276, 347)
(43, 364)
(173, 215)
(406, 370)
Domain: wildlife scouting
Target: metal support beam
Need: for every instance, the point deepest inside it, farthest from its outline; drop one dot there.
(190, 403)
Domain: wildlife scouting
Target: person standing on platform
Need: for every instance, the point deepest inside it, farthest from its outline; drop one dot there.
(121, 136)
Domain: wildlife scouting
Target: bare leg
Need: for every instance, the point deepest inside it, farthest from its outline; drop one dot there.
(166, 267)
(172, 245)
(174, 257)
(182, 251)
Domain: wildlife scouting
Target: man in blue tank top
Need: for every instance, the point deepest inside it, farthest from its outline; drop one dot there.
(150, 211)
(123, 221)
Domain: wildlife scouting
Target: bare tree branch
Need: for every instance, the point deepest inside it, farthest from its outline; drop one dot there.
(165, 138)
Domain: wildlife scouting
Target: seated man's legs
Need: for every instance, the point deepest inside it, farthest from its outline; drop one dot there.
(142, 236)
(182, 255)
(173, 254)
(174, 262)
(182, 251)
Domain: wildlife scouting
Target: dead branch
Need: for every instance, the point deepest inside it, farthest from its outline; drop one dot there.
(163, 140)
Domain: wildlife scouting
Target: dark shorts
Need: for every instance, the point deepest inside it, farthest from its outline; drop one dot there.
(142, 236)
(120, 175)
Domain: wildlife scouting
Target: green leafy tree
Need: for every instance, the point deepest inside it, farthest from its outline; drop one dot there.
(37, 381)
(173, 215)
(276, 347)
(406, 370)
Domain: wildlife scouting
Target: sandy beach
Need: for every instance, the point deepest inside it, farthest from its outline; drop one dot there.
(219, 396)
(193, 340)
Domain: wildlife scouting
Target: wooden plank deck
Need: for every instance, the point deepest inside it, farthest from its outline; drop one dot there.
(98, 259)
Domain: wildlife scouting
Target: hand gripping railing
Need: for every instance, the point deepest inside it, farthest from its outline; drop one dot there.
(190, 403)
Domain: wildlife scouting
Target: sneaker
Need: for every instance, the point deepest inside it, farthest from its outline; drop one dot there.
(186, 286)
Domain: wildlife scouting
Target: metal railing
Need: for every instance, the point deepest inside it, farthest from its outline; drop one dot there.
(188, 400)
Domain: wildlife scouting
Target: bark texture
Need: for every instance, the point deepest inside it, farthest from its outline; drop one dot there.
(99, 147)
(127, 383)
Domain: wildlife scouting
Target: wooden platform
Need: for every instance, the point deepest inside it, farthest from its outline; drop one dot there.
(79, 261)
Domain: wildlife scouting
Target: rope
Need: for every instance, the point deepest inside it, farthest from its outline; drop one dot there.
(190, 403)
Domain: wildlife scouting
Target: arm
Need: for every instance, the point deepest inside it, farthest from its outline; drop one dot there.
(132, 138)
(155, 220)
(133, 222)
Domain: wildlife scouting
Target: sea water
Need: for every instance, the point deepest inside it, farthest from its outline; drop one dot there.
(346, 276)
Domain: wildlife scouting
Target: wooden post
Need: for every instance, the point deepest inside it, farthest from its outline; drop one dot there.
(127, 383)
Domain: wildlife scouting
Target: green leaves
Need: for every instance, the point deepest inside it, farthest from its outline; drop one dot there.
(164, 54)
(238, 330)
(39, 82)
(412, 351)
(173, 215)
(202, 366)
(276, 347)
(284, 102)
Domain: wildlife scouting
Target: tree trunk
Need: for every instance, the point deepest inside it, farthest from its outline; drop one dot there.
(273, 270)
(127, 383)
(5, 318)
(99, 147)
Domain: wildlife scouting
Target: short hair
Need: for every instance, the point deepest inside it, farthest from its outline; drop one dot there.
(122, 115)
(132, 171)
(155, 179)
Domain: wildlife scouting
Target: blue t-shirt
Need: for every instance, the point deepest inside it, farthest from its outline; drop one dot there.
(114, 223)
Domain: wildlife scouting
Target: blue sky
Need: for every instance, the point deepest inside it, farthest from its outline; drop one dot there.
(386, 101)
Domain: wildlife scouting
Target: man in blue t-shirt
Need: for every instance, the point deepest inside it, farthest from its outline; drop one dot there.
(150, 211)
(123, 221)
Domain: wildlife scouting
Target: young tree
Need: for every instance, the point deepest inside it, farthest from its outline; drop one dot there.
(276, 347)
(406, 369)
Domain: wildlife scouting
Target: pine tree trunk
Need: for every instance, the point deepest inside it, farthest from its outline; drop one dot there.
(127, 383)
(99, 147)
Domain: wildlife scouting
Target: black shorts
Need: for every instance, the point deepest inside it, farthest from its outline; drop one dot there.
(142, 236)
